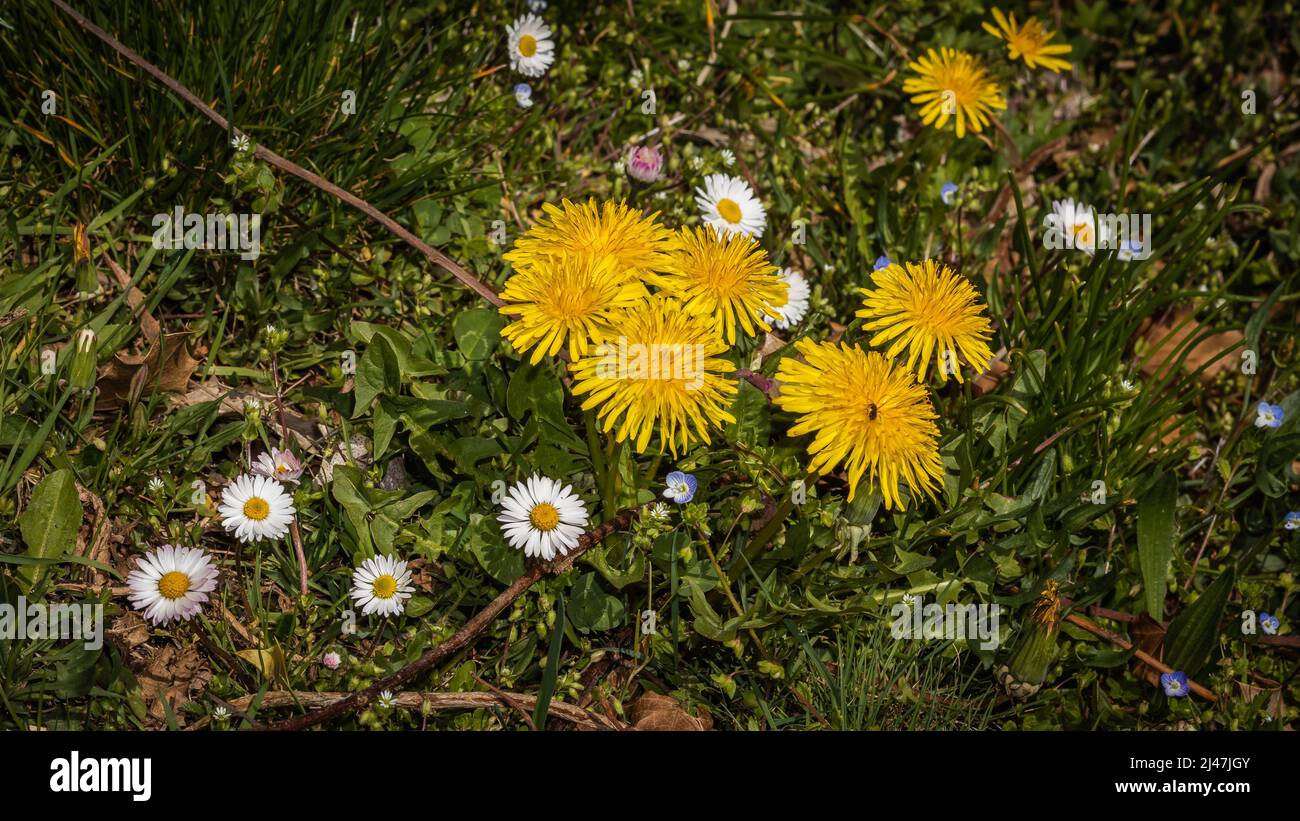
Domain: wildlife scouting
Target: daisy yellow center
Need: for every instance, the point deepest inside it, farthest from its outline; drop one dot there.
(174, 585)
(729, 210)
(281, 468)
(528, 45)
(256, 509)
(384, 587)
(544, 517)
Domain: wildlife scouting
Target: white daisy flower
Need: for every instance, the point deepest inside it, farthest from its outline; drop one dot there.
(531, 49)
(382, 585)
(728, 157)
(729, 205)
(796, 304)
(1075, 224)
(542, 518)
(256, 507)
(171, 583)
(280, 465)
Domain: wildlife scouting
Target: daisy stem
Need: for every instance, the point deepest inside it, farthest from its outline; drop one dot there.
(294, 532)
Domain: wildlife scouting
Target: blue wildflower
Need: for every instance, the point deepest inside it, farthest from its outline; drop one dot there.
(1175, 683)
(1269, 623)
(1292, 520)
(1268, 416)
(681, 487)
(882, 261)
(948, 193)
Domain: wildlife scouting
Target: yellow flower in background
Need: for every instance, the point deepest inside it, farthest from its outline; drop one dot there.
(662, 371)
(638, 243)
(568, 298)
(952, 83)
(925, 309)
(727, 278)
(1029, 42)
(865, 412)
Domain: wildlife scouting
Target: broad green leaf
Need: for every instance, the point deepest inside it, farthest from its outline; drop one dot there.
(478, 332)
(1194, 634)
(1155, 536)
(49, 524)
(591, 608)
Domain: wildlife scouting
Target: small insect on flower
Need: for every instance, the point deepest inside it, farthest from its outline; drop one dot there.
(1268, 416)
(729, 205)
(531, 49)
(882, 261)
(865, 412)
(1269, 623)
(927, 308)
(280, 465)
(381, 585)
(681, 487)
(1175, 684)
(644, 163)
(542, 518)
(255, 508)
(1292, 520)
(386, 700)
(171, 583)
(524, 95)
(948, 193)
(331, 660)
(1029, 42)
(796, 304)
(953, 84)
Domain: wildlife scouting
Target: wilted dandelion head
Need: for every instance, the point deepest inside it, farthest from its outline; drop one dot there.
(951, 83)
(864, 412)
(1029, 42)
(727, 278)
(568, 298)
(927, 309)
(664, 373)
(636, 242)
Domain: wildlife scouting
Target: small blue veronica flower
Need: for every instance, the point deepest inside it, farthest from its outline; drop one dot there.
(1269, 623)
(882, 261)
(1129, 250)
(1292, 520)
(681, 487)
(1175, 683)
(524, 95)
(948, 193)
(1268, 416)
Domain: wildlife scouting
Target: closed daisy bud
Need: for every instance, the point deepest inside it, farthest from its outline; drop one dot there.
(82, 374)
(644, 163)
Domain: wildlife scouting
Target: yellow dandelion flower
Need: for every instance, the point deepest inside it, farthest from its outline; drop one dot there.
(565, 298)
(662, 371)
(870, 415)
(927, 308)
(1029, 42)
(611, 229)
(953, 83)
(727, 277)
